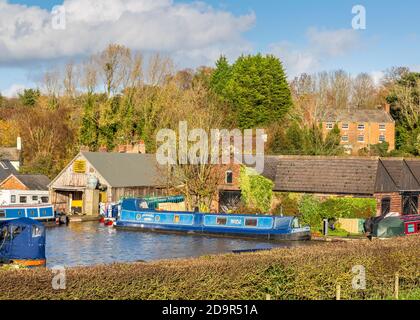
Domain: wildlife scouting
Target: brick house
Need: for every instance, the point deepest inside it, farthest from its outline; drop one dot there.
(393, 182)
(36, 182)
(361, 128)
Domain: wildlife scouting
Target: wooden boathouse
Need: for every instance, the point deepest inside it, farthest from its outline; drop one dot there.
(95, 177)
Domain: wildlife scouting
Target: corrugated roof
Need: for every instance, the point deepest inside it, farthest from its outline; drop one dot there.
(34, 181)
(11, 154)
(126, 169)
(405, 173)
(358, 115)
(332, 175)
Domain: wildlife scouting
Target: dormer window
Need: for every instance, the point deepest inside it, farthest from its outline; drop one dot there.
(229, 177)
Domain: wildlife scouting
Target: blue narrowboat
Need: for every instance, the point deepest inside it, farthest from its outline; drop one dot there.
(22, 242)
(135, 215)
(36, 212)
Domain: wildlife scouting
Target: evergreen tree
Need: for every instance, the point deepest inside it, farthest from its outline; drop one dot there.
(89, 129)
(29, 97)
(258, 90)
(220, 76)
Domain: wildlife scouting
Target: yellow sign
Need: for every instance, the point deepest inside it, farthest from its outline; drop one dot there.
(79, 166)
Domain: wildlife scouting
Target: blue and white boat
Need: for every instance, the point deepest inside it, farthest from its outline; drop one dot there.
(15, 204)
(135, 216)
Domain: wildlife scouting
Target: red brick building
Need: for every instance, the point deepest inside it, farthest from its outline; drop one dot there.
(393, 182)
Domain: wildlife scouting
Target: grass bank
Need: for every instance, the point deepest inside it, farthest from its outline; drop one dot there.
(311, 272)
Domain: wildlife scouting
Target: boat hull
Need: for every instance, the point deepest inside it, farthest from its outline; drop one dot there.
(300, 234)
(35, 212)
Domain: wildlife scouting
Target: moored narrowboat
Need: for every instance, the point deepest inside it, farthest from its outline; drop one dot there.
(22, 242)
(36, 212)
(134, 216)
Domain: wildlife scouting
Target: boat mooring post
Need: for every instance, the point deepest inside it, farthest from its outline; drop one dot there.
(397, 285)
(325, 227)
(338, 292)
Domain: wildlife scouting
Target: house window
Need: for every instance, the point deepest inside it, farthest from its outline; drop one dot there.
(345, 138)
(34, 198)
(177, 219)
(381, 138)
(382, 127)
(22, 199)
(12, 199)
(44, 199)
(361, 126)
(330, 125)
(361, 138)
(229, 177)
(345, 126)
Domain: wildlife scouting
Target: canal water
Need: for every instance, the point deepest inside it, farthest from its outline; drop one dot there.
(90, 243)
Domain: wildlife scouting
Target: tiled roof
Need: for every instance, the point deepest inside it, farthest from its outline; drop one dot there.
(358, 115)
(6, 169)
(34, 181)
(335, 175)
(11, 154)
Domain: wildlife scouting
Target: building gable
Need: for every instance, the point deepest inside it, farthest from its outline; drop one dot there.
(13, 183)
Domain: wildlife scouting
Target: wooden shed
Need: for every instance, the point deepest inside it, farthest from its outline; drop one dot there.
(94, 177)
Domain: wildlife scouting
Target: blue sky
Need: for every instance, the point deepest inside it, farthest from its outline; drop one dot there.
(307, 35)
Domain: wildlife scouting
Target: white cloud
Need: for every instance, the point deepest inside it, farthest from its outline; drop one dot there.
(321, 46)
(13, 90)
(189, 31)
(377, 77)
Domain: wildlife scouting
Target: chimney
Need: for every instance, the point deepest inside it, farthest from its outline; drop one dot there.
(387, 108)
(122, 148)
(19, 143)
(103, 149)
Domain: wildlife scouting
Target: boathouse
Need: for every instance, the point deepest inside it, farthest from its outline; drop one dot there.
(105, 177)
(393, 182)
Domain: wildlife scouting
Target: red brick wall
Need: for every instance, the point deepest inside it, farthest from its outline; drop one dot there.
(396, 202)
(12, 183)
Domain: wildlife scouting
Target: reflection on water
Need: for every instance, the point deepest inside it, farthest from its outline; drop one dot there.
(92, 243)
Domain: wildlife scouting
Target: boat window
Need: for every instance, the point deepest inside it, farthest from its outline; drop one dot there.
(2, 213)
(177, 218)
(221, 221)
(251, 222)
(16, 230)
(32, 212)
(296, 223)
(36, 231)
(44, 199)
(34, 198)
(20, 213)
(157, 218)
(12, 199)
(22, 199)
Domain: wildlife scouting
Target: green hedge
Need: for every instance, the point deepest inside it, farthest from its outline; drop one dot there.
(307, 272)
(313, 210)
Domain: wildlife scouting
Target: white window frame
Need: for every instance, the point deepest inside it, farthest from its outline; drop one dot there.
(361, 126)
(382, 140)
(345, 126)
(361, 135)
(329, 125)
(345, 138)
(384, 127)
